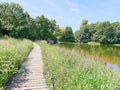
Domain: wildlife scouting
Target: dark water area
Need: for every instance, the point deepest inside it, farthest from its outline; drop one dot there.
(108, 54)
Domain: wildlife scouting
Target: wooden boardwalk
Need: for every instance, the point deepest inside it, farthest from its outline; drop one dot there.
(30, 76)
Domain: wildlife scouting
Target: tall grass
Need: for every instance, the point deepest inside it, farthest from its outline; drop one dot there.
(12, 53)
(66, 70)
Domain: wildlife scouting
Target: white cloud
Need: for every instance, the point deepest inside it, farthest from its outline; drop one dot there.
(74, 9)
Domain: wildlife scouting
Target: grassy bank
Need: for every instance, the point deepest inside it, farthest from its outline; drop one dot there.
(116, 44)
(66, 70)
(93, 43)
(12, 53)
(97, 43)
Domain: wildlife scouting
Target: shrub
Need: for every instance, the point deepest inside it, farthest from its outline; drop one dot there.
(12, 53)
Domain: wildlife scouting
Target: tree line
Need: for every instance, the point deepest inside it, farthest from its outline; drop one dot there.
(14, 22)
(103, 32)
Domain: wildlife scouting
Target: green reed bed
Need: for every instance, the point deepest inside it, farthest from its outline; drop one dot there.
(12, 53)
(66, 70)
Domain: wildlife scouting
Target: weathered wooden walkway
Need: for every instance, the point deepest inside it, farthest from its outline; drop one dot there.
(30, 76)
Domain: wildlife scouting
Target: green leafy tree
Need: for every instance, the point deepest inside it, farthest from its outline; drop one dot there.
(45, 28)
(77, 36)
(105, 33)
(84, 22)
(13, 20)
(116, 26)
(83, 35)
(57, 32)
(67, 35)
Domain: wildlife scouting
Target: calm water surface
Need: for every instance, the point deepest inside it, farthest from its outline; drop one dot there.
(108, 54)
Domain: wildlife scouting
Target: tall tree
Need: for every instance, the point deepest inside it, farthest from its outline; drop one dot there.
(67, 35)
(13, 19)
(103, 32)
(45, 28)
(84, 22)
(77, 36)
(116, 26)
(83, 35)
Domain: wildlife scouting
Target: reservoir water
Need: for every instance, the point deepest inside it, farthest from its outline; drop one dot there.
(107, 54)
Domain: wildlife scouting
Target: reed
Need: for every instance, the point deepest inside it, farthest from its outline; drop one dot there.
(65, 70)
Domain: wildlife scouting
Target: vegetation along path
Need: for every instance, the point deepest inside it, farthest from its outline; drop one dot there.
(30, 76)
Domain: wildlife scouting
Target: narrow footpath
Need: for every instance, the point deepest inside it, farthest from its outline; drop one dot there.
(30, 76)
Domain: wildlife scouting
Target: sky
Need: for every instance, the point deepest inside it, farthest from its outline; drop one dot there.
(72, 12)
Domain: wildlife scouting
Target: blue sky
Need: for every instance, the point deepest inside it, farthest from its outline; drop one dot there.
(72, 12)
